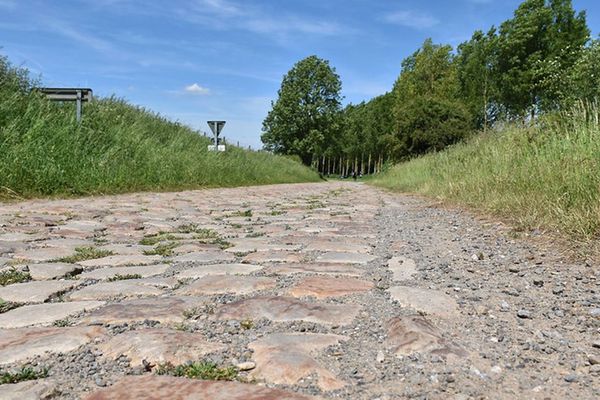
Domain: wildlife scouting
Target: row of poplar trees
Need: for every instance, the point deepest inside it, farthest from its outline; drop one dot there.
(542, 60)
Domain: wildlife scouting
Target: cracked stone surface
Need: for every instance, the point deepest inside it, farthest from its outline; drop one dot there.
(215, 284)
(286, 359)
(325, 286)
(17, 345)
(159, 346)
(277, 308)
(415, 334)
(44, 314)
(333, 290)
(34, 292)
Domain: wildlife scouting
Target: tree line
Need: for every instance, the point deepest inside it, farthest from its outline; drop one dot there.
(540, 61)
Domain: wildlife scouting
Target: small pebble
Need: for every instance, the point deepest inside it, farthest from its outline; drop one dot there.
(571, 378)
(246, 366)
(523, 314)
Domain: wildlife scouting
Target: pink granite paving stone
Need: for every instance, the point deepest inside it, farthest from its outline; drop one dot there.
(415, 334)
(282, 309)
(272, 257)
(314, 268)
(287, 358)
(165, 387)
(18, 345)
(218, 284)
(166, 310)
(325, 286)
(159, 346)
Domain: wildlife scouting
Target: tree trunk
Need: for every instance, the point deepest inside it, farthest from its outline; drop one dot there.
(369, 165)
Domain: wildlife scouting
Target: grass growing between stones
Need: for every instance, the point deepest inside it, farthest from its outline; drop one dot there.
(12, 275)
(544, 176)
(124, 277)
(162, 249)
(24, 374)
(85, 253)
(199, 370)
(117, 147)
(7, 306)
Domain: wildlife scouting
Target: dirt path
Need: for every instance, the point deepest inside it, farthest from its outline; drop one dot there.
(332, 290)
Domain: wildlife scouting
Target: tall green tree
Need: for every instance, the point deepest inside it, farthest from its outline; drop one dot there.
(535, 48)
(475, 62)
(585, 75)
(306, 114)
(428, 112)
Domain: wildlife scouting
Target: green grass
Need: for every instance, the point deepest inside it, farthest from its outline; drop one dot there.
(85, 253)
(119, 277)
(24, 374)
(117, 148)
(12, 275)
(162, 249)
(199, 370)
(7, 306)
(546, 176)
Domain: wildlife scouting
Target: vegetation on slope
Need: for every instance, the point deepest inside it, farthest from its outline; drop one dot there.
(541, 176)
(116, 148)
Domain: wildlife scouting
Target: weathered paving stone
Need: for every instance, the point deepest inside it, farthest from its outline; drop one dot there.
(251, 245)
(219, 269)
(425, 300)
(118, 289)
(67, 243)
(43, 389)
(345, 258)
(121, 261)
(18, 345)
(143, 271)
(46, 271)
(34, 292)
(44, 314)
(159, 346)
(283, 309)
(166, 387)
(16, 237)
(314, 268)
(415, 334)
(325, 286)
(402, 268)
(44, 254)
(126, 249)
(287, 358)
(272, 256)
(166, 310)
(216, 284)
(338, 246)
(204, 257)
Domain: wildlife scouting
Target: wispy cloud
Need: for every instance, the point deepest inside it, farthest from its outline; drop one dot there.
(196, 89)
(411, 19)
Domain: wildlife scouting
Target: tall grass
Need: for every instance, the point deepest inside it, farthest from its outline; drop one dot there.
(545, 176)
(116, 148)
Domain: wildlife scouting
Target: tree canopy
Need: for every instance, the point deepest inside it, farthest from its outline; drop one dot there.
(540, 61)
(305, 116)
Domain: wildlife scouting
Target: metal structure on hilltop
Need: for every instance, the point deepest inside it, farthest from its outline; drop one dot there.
(78, 95)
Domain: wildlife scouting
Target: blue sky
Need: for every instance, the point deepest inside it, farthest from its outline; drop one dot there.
(196, 60)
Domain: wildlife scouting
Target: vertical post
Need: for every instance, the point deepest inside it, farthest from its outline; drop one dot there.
(78, 112)
(216, 135)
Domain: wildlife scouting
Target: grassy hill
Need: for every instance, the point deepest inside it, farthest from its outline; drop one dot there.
(117, 147)
(547, 175)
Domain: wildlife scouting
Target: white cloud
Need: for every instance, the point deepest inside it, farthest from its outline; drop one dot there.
(411, 19)
(194, 88)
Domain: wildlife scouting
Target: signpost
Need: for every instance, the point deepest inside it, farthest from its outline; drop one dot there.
(78, 95)
(216, 127)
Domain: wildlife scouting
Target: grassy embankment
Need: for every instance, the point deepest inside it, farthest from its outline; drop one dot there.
(117, 148)
(547, 176)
